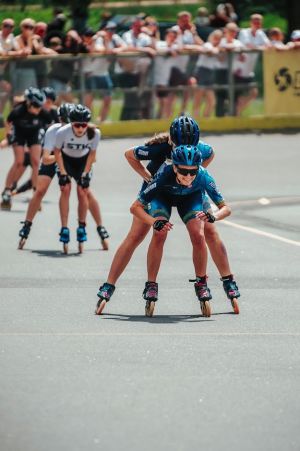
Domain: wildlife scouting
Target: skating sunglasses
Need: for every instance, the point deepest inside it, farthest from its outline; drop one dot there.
(191, 172)
(35, 105)
(79, 125)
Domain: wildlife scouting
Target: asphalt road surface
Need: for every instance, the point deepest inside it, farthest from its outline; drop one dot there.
(72, 381)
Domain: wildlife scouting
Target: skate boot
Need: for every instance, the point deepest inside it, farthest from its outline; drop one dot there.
(104, 294)
(232, 292)
(103, 234)
(6, 199)
(24, 233)
(150, 294)
(65, 238)
(81, 236)
(203, 294)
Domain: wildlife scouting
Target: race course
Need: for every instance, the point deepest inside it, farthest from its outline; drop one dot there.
(73, 381)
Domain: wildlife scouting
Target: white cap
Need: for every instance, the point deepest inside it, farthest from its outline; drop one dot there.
(295, 34)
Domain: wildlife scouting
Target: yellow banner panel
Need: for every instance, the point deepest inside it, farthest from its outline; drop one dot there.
(282, 82)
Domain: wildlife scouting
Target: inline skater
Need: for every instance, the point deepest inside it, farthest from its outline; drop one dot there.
(75, 152)
(183, 130)
(23, 127)
(46, 173)
(182, 184)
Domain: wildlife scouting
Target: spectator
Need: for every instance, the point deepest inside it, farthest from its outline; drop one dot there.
(168, 50)
(252, 38)
(202, 23)
(276, 39)
(295, 40)
(188, 39)
(133, 72)
(62, 70)
(205, 71)
(151, 29)
(7, 48)
(97, 76)
(56, 26)
(106, 17)
(230, 12)
(228, 43)
(220, 18)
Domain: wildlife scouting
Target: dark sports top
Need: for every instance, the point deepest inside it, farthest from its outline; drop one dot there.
(27, 122)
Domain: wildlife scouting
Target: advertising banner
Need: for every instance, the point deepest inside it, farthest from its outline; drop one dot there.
(282, 82)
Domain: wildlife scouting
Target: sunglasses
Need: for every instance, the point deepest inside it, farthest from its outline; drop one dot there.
(79, 125)
(7, 25)
(28, 27)
(35, 105)
(183, 171)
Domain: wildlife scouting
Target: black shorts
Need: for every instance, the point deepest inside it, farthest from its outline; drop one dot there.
(74, 166)
(48, 170)
(21, 139)
(204, 76)
(178, 78)
(241, 83)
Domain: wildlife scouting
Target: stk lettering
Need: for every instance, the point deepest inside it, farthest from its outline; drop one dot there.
(74, 146)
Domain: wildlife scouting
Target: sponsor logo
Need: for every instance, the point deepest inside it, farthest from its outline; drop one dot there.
(150, 187)
(283, 79)
(74, 146)
(143, 152)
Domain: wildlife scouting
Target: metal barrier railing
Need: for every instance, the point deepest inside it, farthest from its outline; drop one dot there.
(133, 75)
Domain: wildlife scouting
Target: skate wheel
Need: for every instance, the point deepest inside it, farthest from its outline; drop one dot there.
(21, 243)
(80, 247)
(235, 305)
(6, 206)
(205, 308)
(100, 307)
(66, 248)
(149, 308)
(104, 245)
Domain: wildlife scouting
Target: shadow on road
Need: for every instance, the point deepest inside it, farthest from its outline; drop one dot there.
(53, 253)
(158, 319)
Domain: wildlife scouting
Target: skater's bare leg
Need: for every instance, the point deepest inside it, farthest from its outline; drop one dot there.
(64, 204)
(43, 184)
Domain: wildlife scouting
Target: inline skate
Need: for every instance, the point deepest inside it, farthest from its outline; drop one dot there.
(150, 294)
(64, 235)
(104, 294)
(24, 233)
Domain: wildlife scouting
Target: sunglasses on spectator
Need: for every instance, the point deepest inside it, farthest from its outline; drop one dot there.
(28, 27)
(80, 125)
(191, 172)
(7, 25)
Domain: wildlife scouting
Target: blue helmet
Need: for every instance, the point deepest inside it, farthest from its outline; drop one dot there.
(184, 130)
(186, 156)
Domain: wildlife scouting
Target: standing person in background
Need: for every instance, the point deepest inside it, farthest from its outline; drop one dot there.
(7, 48)
(277, 39)
(205, 75)
(253, 38)
(228, 43)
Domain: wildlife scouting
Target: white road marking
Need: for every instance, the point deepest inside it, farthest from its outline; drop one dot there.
(148, 334)
(261, 232)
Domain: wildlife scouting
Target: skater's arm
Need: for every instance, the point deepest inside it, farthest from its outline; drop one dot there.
(206, 162)
(59, 161)
(137, 209)
(209, 216)
(137, 165)
(90, 160)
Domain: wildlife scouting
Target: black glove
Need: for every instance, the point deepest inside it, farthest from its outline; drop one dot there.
(10, 138)
(210, 217)
(159, 224)
(63, 179)
(84, 181)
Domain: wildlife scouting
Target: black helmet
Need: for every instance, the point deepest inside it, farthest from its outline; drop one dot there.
(80, 113)
(184, 130)
(35, 96)
(49, 93)
(187, 156)
(64, 112)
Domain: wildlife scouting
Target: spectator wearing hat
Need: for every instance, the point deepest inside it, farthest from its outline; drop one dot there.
(294, 43)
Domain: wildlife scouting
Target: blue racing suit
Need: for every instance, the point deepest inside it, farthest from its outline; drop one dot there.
(164, 192)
